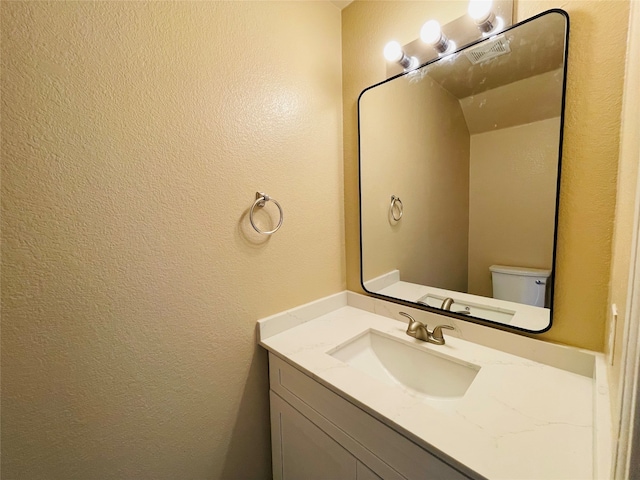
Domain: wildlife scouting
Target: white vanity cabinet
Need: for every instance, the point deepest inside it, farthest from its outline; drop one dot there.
(317, 434)
(349, 401)
(304, 451)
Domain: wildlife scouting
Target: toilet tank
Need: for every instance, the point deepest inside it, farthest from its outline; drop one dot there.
(520, 284)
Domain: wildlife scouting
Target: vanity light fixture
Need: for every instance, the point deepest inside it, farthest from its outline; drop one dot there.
(481, 11)
(393, 52)
(431, 34)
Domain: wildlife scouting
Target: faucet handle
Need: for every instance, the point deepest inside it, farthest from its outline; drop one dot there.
(413, 324)
(405, 314)
(437, 332)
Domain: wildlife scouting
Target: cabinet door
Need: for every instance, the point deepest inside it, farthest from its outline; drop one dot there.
(302, 451)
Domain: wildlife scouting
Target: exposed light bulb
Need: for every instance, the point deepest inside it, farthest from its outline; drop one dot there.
(393, 51)
(479, 10)
(431, 32)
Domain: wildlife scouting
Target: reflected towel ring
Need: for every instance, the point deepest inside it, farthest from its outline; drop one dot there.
(396, 202)
(261, 199)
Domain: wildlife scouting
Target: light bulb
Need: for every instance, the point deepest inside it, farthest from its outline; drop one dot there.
(480, 10)
(393, 51)
(431, 32)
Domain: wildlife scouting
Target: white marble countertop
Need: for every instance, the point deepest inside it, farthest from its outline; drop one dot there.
(520, 418)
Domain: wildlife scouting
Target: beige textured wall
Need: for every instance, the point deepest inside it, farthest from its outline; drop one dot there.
(134, 138)
(589, 166)
(430, 177)
(626, 199)
(590, 151)
(512, 197)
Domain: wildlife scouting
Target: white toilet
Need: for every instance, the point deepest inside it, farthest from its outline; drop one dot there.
(520, 284)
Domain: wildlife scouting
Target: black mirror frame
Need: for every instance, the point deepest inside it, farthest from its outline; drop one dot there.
(557, 205)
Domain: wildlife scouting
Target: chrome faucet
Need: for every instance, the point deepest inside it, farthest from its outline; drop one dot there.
(446, 304)
(421, 332)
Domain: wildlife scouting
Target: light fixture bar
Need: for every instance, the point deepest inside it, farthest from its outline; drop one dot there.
(464, 30)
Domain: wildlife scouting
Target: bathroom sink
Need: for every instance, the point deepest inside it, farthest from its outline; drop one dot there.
(495, 314)
(415, 369)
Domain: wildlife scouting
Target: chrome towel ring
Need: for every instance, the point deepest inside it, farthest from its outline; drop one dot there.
(396, 205)
(261, 199)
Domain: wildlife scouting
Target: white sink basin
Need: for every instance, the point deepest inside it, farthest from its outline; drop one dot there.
(412, 367)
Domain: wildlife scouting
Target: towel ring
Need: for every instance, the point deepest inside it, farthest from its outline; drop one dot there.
(396, 202)
(261, 199)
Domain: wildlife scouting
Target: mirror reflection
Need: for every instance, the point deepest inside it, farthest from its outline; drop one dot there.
(459, 176)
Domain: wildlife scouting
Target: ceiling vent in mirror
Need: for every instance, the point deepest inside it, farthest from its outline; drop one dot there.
(488, 49)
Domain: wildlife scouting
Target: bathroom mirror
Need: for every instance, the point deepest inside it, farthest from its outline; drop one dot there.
(459, 178)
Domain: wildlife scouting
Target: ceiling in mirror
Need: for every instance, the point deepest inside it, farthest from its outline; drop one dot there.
(459, 178)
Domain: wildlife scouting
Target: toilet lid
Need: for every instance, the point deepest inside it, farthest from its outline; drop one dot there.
(524, 271)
